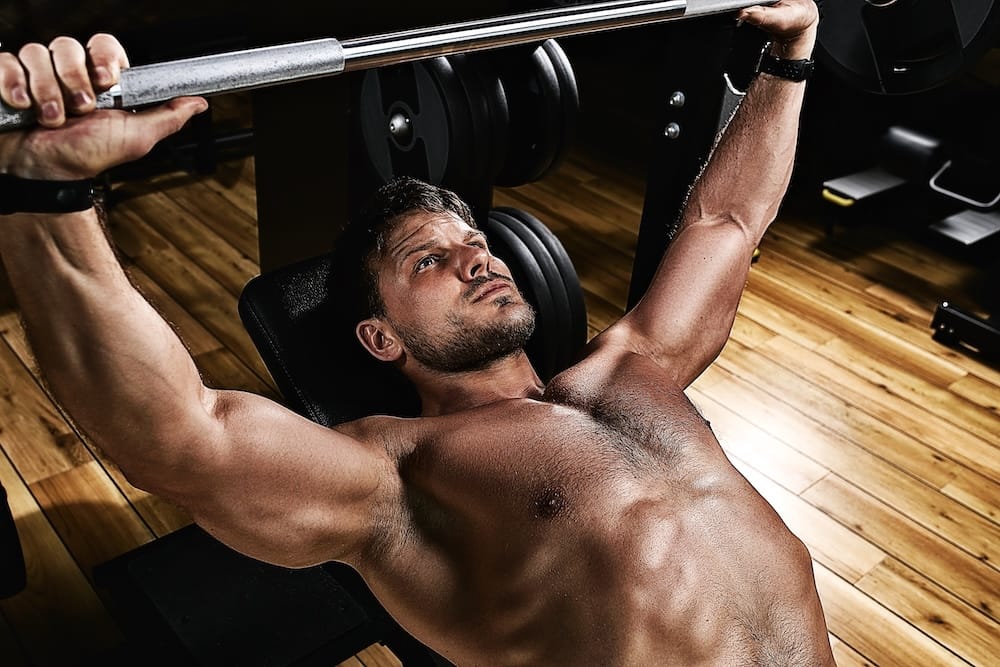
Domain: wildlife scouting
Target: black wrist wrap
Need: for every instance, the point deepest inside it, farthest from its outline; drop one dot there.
(27, 195)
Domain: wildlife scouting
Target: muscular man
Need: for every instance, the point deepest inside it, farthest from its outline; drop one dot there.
(592, 521)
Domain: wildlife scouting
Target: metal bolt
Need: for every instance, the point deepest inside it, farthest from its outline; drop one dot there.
(672, 131)
(398, 123)
(677, 99)
(401, 128)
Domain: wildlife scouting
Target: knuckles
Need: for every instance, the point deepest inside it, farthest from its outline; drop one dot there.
(33, 51)
(64, 42)
(105, 49)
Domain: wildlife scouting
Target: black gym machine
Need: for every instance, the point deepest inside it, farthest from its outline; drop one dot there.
(938, 168)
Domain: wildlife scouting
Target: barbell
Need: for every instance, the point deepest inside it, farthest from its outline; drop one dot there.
(886, 46)
(287, 63)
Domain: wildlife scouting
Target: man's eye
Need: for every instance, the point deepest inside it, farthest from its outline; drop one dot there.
(426, 262)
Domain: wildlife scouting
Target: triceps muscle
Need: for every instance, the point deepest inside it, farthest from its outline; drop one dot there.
(688, 311)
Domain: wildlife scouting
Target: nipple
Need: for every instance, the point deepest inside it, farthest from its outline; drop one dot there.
(550, 503)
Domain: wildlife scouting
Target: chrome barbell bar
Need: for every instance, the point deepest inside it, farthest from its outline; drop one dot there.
(287, 63)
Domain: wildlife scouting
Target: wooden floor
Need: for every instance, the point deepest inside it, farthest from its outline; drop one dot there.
(876, 445)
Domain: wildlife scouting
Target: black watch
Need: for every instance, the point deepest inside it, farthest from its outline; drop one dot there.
(793, 70)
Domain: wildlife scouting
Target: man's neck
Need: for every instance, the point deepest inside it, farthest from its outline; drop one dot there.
(446, 393)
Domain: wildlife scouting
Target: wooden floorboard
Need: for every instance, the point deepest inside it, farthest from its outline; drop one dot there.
(878, 446)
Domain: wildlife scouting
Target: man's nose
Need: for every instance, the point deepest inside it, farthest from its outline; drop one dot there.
(475, 262)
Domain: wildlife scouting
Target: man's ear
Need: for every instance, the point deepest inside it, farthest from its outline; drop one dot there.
(379, 339)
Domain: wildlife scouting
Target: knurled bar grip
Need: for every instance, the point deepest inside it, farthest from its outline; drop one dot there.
(208, 75)
(287, 63)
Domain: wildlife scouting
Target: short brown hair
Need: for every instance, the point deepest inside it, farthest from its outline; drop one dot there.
(363, 240)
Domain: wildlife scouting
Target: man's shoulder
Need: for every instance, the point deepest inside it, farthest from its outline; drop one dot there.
(384, 433)
(614, 356)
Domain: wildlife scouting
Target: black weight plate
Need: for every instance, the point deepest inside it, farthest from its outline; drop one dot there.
(436, 145)
(479, 138)
(532, 86)
(409, 90)
(578, 308)
(905, 46)
(460, 174)
(529, 278)
(548, 117)
(488, 104)
(499, 115)
(569, 97)
(553, 278)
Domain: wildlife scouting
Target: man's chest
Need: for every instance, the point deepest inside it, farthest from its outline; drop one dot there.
(503, 502)
(525, 465)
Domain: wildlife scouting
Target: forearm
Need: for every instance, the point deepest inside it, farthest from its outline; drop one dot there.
(685, 317)
(114, 364)
(750, 168)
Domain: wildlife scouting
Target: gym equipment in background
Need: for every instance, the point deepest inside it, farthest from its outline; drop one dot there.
(543, 103)
(904, 46)
(905, 160)
(12, 572)
(953, 192)
(288, 63)
(961, 329)
(468, 121)
(973, 181)
(302, 173)
(915, 165)
(896, 47)
(863, 43)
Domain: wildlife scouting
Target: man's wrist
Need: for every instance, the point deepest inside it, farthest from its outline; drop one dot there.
(788, 59)
(799, 48)
(27, 195)
(789, 70)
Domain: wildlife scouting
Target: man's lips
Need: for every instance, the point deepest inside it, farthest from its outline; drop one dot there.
(491, 288)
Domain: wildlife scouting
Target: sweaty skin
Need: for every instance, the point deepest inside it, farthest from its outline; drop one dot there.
(592, 521)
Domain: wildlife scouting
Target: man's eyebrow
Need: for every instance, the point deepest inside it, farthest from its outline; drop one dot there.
(432, 242)
(474, 234)
(426, 245)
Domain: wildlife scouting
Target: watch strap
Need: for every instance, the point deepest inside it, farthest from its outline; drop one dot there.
(793, 70)
(28, 195)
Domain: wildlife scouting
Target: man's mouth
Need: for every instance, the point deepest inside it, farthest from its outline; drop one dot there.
(490, 288)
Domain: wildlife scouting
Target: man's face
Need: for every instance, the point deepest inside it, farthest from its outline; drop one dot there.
(451, 303)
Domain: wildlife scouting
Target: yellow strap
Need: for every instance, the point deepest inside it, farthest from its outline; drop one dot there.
(837, 199)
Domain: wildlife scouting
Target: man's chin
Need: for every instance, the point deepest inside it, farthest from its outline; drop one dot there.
(473, 339)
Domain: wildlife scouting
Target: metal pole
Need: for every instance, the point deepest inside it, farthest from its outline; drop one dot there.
(421, 43)
(273, 65)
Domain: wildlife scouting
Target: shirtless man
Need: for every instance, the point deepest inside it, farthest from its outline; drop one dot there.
(592, 521)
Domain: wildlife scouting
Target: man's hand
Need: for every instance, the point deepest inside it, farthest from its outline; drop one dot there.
(791, 23)
(74, 140)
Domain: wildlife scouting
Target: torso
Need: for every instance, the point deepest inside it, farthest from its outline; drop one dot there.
(600, 525)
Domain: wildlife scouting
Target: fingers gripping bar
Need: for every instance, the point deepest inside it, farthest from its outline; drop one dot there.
(209, 75)
(288, 63)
